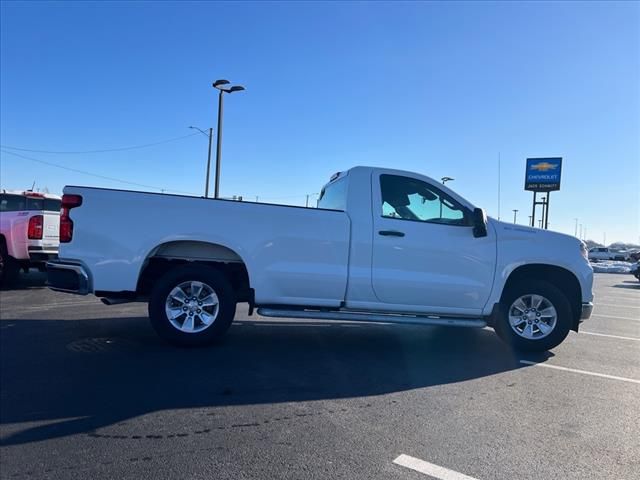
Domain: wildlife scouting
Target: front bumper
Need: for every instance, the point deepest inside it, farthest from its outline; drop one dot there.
(587, 308)
(67, 277)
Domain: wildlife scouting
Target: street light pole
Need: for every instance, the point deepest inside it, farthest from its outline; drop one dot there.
(216, 192)
(444, 181)
(515, 215)
(219, 84)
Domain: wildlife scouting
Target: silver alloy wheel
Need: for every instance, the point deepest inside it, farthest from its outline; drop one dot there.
(532, 316)
(192, 306)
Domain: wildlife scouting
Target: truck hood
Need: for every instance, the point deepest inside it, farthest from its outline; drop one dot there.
(533, 242)
(511, 230)
(553, 244)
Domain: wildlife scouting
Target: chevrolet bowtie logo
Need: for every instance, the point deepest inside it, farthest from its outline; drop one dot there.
(544, 166)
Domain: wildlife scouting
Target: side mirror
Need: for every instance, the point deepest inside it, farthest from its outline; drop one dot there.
(479, 223)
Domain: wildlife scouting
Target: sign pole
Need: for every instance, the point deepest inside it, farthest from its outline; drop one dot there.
(533, 211)
(546, 211)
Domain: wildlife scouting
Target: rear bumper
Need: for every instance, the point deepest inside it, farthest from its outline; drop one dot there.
(40, 255)
(587, 308)
(67, 277)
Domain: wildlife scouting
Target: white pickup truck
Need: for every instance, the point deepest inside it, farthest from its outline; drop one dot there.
(382, 246)
(28, 231)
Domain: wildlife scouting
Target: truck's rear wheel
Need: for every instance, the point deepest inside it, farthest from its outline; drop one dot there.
(192, 305)
(535, 316)
(9, 269)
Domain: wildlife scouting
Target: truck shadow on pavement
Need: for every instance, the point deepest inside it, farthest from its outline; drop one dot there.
(71, 377)
(31, 280)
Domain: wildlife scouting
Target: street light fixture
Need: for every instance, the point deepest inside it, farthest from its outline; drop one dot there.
(219, 85)
(209, 136)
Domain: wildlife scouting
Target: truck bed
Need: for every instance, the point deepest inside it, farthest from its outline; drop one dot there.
(119, 230)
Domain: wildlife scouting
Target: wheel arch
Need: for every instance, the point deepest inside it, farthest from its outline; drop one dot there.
(563, 279)
(173, 253)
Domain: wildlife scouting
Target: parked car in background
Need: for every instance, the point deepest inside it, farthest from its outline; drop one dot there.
(603, 253)
(383, 245)
(635, 270)
(634, 256)
(29, 231)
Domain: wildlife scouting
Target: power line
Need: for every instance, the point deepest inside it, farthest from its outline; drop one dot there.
(120, 149)
(83, 172)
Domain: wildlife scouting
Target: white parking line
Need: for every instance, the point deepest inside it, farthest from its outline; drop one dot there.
(619, 296)
(598, 304)
(610, 336)
(584, 372)
(430, 468)
(616, 317)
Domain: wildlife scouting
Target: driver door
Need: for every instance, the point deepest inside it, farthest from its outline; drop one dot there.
(424, 252)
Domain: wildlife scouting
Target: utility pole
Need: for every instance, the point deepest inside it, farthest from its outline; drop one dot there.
(576, 230)
(306, 204)
(206, 188)
(210, 135)
(580, 237)
(515, 215)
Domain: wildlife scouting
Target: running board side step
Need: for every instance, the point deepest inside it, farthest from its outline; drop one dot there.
(378, 318)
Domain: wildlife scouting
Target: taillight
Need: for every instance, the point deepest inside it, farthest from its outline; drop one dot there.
(66, 224)
(34, 231)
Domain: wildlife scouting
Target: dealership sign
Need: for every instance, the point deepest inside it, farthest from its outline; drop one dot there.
(543, 174)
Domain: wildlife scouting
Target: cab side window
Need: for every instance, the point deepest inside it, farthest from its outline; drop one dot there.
(411, 199)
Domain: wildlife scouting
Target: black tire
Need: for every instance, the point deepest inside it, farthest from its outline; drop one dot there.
(9, 268)
(553, 295)
(214, 279)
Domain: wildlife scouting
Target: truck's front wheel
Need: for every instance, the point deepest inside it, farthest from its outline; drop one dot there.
(192, 305)
(535, 316)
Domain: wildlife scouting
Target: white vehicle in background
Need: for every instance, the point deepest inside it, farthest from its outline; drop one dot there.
(603, 253)
(29, 225)
(382, 246)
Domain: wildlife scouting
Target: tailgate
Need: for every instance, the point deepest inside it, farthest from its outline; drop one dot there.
(51, 230)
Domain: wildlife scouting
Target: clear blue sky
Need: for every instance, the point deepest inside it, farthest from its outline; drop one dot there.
(438, 88)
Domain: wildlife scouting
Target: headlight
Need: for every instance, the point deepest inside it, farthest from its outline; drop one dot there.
(583, 250)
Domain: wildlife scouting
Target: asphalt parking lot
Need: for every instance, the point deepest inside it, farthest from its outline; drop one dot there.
(89, 391)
